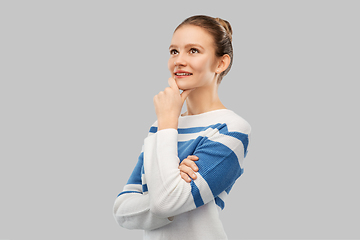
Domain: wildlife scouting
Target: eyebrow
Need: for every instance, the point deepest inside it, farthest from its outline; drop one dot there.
(188, 46)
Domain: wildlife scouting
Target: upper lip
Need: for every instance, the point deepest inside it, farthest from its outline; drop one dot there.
(181, 71)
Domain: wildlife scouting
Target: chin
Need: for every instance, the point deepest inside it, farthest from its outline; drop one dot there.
(183, 86)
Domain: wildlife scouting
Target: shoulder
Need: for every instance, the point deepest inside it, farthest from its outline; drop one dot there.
(234, 122)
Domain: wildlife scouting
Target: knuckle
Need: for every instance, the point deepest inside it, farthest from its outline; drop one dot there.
(188, 163)
(189, 171)
(185, 169)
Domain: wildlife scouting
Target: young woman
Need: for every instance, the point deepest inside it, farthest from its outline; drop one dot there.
(190, 161)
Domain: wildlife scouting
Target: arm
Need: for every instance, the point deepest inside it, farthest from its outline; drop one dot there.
(132, 207)
(219, 166)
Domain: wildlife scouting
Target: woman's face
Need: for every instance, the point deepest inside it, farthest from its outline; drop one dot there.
(192, 61)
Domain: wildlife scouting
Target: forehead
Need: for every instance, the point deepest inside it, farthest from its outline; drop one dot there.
(190, 34)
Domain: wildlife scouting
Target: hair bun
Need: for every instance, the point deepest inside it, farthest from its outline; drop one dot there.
(226, 25)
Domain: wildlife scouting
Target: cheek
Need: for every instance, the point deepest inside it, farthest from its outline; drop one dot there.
(203, 66)
(171, 65)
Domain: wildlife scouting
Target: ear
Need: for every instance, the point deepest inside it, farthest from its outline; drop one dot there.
(223, 63)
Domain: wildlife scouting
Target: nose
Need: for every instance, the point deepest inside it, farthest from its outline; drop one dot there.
(180, 61)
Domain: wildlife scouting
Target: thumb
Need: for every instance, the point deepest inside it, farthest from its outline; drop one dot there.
(172, 84)
(185, 94)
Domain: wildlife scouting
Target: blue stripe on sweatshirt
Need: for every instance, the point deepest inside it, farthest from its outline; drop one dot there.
(218, 165)
(220, 203)
(135, 177)
(128, 192)
(184, 130)
(195, 129)
(153, 130)
(196, 195)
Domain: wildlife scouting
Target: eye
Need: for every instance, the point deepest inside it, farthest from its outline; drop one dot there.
(173, 51)
(194, 50)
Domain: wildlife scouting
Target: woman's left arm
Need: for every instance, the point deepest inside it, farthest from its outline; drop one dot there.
(220, 164)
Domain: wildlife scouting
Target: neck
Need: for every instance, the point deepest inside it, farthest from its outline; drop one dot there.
(203, 99)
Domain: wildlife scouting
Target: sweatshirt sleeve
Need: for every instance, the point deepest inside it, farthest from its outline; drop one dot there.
(132, 206)
(220, 155)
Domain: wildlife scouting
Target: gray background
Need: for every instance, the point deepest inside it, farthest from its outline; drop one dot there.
(77, 82)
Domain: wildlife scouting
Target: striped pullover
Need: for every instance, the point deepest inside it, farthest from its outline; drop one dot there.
(156, 198)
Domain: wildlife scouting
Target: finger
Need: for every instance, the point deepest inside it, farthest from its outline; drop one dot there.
(172, 84)
(193, 157)
(185, 94)
(185, 177)
(191, 164)
(188, 170)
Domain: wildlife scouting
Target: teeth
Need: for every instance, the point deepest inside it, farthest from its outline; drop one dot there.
(183, 74)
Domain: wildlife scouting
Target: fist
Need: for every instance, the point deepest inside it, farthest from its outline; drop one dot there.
(168, 104)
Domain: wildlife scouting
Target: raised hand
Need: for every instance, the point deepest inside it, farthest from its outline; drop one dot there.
(168, 104)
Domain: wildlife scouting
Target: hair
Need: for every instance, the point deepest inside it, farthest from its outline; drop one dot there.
(221, 32)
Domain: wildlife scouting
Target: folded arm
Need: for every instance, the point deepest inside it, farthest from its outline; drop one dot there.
(218, 165)
(132, 206)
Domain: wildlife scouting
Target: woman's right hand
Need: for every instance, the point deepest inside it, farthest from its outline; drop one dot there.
(188, 168)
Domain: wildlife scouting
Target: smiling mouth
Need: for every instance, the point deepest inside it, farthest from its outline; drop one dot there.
(183, 74)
